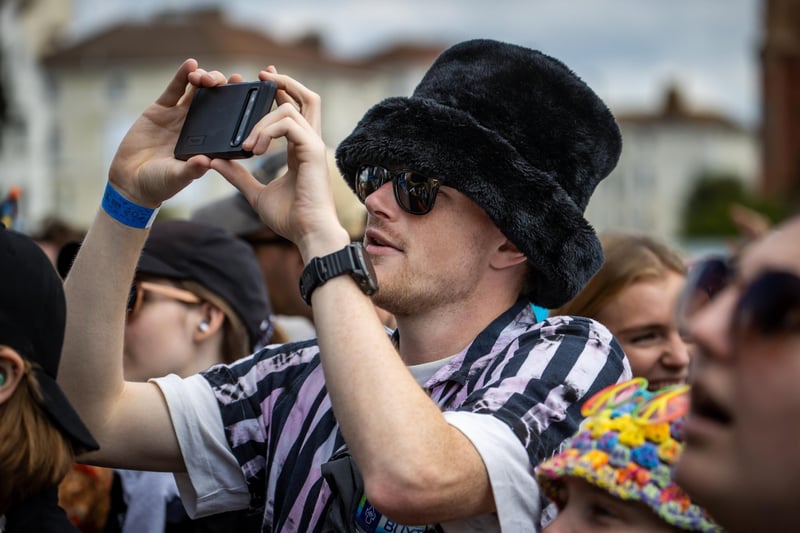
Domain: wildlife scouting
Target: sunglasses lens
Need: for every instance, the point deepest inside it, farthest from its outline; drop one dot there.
(415, 193)
(770, 305)
(705, 281)
(369, 180)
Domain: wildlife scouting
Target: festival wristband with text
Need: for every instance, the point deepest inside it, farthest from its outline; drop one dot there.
(123, 210)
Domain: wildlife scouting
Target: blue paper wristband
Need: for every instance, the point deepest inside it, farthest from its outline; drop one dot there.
(123, 210)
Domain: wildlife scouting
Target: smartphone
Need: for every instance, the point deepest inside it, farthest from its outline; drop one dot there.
(221, 118)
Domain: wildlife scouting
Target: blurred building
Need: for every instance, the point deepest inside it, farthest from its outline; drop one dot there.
(98, 85)
(27, 31)
(664, 152)
(73, 100)
(780, 64)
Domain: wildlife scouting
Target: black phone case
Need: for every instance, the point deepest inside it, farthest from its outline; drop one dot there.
(220, 118)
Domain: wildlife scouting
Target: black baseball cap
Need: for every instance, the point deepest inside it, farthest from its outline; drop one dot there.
(234, 212)
(33, 314)
(185, 250)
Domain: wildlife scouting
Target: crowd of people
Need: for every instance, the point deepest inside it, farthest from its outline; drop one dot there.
(427, 390)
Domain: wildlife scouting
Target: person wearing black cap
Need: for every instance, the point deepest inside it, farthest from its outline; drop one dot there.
(198, 299)
(40, 432)
(475, 188)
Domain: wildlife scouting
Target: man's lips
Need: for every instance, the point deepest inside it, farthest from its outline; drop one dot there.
(375, 240)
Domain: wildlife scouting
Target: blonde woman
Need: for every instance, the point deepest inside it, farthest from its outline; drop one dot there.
(634, 294)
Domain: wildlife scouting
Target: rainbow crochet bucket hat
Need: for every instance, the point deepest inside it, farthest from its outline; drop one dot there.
(628, 446)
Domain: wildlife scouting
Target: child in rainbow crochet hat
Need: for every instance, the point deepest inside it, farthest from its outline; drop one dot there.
(617, 471)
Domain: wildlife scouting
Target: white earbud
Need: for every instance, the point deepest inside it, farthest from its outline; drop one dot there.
(203, 326)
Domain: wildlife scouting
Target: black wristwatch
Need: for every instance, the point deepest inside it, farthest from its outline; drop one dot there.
(349, 260)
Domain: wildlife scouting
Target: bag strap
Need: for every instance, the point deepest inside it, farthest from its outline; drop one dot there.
(347, 489)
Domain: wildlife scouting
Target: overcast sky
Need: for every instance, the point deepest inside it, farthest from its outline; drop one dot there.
(627, 50)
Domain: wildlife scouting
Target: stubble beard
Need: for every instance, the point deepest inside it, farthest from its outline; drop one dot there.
(412, 292)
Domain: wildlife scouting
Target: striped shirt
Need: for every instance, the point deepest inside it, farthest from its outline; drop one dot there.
(530, 376)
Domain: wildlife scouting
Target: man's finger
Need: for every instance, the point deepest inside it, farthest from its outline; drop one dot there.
(177, 87)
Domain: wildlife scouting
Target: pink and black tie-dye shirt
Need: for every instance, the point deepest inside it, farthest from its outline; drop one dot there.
(532, 376)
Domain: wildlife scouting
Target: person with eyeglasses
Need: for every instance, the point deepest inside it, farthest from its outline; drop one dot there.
(742, 315)
(634, 295)
(617, 473)
(475, 187)
(197, 299)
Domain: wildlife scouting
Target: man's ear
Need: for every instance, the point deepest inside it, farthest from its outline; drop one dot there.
(507, 255)
(12, 371)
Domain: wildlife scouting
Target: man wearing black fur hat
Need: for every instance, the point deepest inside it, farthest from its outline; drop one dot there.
(475, 188)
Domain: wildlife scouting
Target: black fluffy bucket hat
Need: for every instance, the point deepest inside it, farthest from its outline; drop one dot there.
(521, 135)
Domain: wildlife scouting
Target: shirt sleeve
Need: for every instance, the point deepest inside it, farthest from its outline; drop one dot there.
(537, 387)
(516, 493)
(213, 481)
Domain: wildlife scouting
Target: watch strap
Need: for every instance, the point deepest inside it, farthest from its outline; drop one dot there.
(348, 260)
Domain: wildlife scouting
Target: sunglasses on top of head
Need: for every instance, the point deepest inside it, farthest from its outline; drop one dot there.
(768, 306)
(413, 192)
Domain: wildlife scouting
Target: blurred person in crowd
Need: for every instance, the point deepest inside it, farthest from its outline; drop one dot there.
(279, 258)
(40, 433)
(85, 494)
(616, 473)
(475, 188)
(9, 208)
(54, 233)
(743, 319)
(634, 295)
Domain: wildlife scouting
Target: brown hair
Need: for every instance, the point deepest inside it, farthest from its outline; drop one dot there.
(34, 454)
(628, 259)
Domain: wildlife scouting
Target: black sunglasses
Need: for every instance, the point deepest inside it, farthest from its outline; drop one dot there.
(769, 305)
(414, 192)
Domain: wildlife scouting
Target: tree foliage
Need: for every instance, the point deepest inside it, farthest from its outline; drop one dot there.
(707, 209)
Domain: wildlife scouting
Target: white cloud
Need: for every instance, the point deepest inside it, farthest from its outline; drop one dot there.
(626, 49)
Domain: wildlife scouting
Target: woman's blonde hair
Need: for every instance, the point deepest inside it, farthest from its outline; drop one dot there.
(628, 258)
(34, 454)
